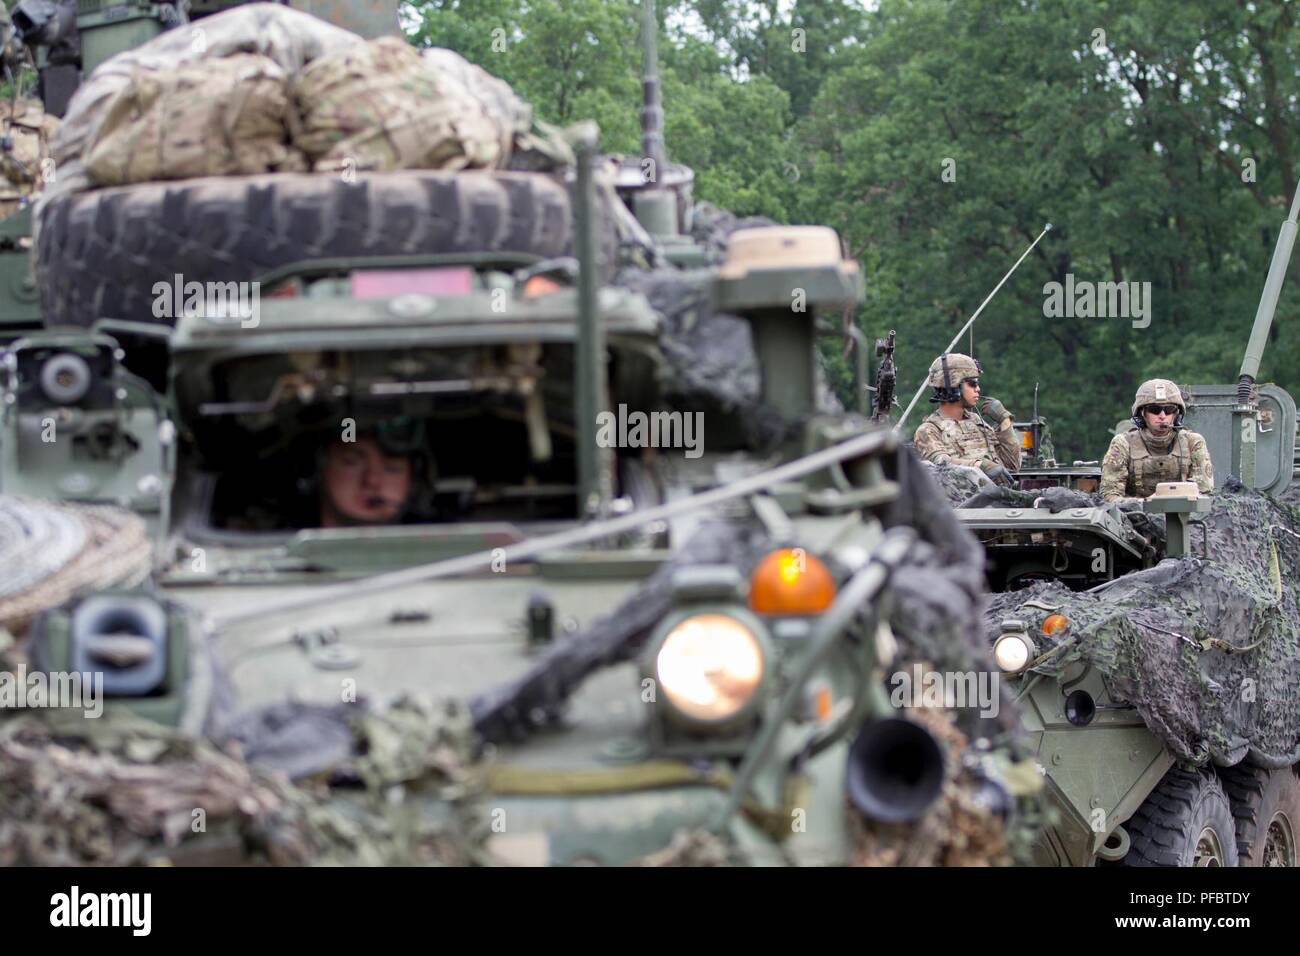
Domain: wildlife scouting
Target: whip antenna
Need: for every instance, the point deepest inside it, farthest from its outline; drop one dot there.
(971, 321)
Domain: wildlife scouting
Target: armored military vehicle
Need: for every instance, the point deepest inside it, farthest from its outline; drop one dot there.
(1154, 647)
(652, 644)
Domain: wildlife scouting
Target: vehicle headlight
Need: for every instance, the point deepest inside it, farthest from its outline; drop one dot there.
(709, 666)
(1013, 651)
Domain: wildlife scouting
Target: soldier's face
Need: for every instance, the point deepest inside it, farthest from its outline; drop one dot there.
(361, 485)
(1159, 418)
(970, 392)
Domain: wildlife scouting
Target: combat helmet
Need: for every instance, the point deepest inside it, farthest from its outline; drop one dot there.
(948, 371)
(1158, 391)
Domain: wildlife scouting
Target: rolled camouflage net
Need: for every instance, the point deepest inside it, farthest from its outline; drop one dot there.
(1206, 649)
(50, 553)
(958, 482)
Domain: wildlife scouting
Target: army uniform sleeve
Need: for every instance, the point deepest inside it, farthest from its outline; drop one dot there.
(1201, 469)
(1007, 446)
(928, 443)
(1114, 470)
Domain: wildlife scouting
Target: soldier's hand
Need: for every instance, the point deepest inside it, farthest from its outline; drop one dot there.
(994, 410)
(998, 473)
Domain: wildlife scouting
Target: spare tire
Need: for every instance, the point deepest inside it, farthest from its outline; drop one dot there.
(100, 253)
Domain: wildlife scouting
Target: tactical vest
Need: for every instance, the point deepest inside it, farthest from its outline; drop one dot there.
(969, 437)
(1148, 468)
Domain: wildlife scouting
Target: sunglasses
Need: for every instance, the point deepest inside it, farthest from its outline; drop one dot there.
(972, 382)
(1162, 409)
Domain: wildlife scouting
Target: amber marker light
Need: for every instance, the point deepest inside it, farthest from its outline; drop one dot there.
(791, 581)
(1054, 623)
(540, 285)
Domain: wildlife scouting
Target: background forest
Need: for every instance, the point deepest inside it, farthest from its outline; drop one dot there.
(938, 136)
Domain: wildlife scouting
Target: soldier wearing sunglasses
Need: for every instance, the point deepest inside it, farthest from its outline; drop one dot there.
(1157, 448)
(956, 433)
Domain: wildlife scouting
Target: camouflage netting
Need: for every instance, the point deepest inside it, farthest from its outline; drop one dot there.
(709, 361)
(1208, 651)
(120, 791)
(1291, 496)
(958, 482)
(712, 227)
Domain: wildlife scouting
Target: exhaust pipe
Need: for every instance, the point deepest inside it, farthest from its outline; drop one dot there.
(895, 770)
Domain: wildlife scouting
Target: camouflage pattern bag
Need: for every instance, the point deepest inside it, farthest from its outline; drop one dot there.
(23, 170)
(225, 117)
(527, 143)
(513, 115)
(378, 106)
(289, 37)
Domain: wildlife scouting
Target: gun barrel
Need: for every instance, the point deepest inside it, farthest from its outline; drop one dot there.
(1272, 291)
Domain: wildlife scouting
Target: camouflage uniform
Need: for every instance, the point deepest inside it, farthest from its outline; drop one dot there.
(1137, 461)
(969, 440)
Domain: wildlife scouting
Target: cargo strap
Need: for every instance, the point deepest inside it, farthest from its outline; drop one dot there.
(648, 775)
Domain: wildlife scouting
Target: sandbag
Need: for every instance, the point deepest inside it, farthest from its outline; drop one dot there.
(226, 117)
(378, 106)
(23, 169)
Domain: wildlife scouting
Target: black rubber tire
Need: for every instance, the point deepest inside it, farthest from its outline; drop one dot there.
(1165, 830)
(1263, 799)
(100, 253)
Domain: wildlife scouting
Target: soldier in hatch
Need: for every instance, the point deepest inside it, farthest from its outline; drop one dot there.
(1158, 448)
(956, 434)
(373, 479)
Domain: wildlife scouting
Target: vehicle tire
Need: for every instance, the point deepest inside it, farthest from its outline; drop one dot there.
(1185, 821)
(1266, 805)
(99, 253)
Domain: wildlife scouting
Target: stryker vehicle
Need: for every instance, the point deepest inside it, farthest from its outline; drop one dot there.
(1153, 651)
(657, 649)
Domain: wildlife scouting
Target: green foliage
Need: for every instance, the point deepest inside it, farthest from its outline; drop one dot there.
(580, 59)
(1133, 144)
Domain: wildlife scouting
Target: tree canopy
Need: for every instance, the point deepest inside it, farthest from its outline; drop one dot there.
(939, 136)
